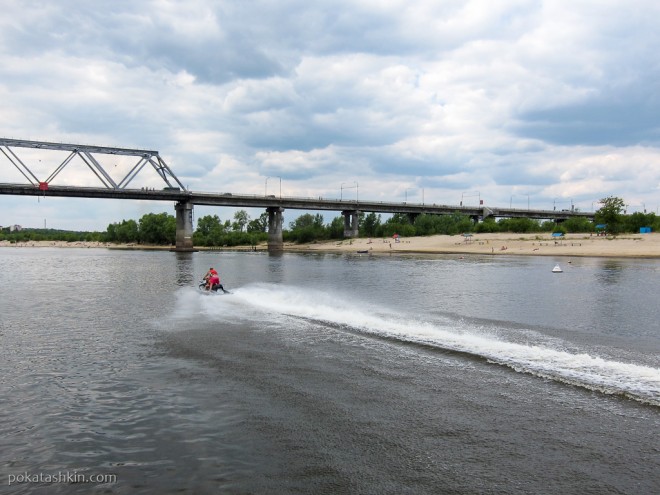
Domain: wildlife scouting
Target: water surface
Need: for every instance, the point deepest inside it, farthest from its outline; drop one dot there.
(326, 373)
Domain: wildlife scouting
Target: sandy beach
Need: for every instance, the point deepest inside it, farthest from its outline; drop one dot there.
(628, 246)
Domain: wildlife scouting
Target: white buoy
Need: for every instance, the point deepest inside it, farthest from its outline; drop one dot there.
(557, 269)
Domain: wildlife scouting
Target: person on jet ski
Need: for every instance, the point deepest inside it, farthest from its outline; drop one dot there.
(207, 278)
(212, 271)
(213, 281)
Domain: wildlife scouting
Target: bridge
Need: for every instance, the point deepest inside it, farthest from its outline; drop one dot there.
(185, 200)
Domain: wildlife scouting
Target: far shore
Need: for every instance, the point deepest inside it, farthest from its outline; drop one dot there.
(625, 246)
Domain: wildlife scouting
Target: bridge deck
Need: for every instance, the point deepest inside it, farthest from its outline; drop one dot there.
(255, 201)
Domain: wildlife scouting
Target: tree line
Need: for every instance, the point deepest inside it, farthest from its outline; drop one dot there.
(610, 219)
(211, 231)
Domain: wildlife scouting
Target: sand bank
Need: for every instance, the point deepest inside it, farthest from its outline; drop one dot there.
(79, 244)
(630, 246)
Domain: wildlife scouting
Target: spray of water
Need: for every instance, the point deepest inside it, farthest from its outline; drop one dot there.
(268, 302)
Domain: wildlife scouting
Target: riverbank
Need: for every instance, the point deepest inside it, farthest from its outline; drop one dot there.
(627, 246)
(79, 244)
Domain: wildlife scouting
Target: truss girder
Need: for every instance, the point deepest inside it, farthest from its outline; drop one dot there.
(96, 167)
(133, 172)
(106, 150)
(16, 161)
(162, 169)
(61, 166)
(86, 154)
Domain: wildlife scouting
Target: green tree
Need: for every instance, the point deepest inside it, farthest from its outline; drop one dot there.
(336, 228)
(126, 231)
(258, 224)
(158, 228)
(560, 228)
(610, 214)
(211, 231)
(519, 225)
(307, 228)
(577, 225)
(307, 220)
(111, 233)
(638, 219)
(399, 223)
(548, 226)
(241, 219)
(369, 224)
(453, 224)
(206, 224)
(489, 225)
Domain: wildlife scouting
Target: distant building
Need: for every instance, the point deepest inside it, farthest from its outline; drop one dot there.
(15, 228)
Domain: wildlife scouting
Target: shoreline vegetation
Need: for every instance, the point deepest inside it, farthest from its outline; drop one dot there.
(537, 244)
(611, 232)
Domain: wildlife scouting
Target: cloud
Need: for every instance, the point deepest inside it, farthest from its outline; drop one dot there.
(514, 98)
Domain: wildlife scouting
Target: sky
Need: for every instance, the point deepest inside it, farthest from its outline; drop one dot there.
(516, 103)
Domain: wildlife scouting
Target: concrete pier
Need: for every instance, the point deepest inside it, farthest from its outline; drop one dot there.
(275, 240)
(350, 223)
(184, 226)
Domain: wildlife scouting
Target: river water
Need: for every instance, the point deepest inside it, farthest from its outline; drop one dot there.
(328, 373)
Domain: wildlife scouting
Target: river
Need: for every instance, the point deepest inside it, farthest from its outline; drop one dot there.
(328, 373)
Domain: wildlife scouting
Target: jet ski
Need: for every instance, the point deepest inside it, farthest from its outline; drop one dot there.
(216, 289)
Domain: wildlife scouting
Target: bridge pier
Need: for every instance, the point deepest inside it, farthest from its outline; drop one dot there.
(412, 217)
(184, 226)
(350, 223)
(275, 240)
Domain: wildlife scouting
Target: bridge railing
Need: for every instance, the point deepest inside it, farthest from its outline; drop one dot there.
(290, 202)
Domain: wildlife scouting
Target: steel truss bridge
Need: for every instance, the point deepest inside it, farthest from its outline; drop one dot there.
(173, 190)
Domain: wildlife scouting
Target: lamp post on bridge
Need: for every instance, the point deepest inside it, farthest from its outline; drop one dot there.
(642, 204)
(266, 185)
(464, 194)
(554, 203)
(511, 200)
(635, 208)
(412, 189)
(341, 189)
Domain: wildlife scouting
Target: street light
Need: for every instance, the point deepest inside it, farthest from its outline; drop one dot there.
(554, 203)
(266, 185)
(511, 200)
(464, 194)
(412, 189)
(356, 186)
